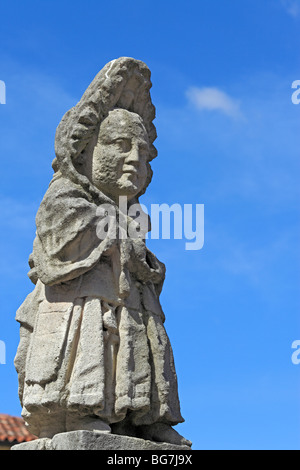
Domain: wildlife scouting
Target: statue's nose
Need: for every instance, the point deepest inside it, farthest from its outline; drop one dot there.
(134, 155)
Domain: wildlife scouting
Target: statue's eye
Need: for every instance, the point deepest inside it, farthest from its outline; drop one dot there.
(124, 145)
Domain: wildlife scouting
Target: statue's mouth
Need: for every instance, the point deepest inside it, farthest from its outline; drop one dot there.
(130, 172)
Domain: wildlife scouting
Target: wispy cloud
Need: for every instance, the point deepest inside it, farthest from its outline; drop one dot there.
(292, 7)
(214, 99)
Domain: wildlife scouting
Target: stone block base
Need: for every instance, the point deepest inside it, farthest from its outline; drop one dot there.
(89, 440)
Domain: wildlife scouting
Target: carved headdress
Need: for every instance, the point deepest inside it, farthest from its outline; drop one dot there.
(122, 83)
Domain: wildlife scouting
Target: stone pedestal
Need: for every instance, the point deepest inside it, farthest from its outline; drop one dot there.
(89, 440)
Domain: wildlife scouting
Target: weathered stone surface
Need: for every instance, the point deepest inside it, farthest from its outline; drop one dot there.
(87, 440)
(38, 444)
(94, 353)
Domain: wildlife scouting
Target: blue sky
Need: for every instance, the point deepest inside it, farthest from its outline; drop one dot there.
(227, 138)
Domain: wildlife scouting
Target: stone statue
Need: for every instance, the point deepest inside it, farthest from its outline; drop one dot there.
(94, 354)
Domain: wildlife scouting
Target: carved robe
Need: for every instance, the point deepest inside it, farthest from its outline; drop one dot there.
(85, 345)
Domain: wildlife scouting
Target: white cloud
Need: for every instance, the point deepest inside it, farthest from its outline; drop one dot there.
(213, 99)
(292, 7)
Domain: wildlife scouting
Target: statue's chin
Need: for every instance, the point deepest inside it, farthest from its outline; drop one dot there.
(127, 192)
(123, 187)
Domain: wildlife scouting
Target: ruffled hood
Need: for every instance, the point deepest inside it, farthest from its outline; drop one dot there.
(123, 83)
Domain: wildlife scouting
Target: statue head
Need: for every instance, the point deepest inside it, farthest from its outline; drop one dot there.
(116, 160)
(105, 143)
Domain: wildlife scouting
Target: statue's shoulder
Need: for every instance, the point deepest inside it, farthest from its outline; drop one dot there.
(63, 193)
(61, 187)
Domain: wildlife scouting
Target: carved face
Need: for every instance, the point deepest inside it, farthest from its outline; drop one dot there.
(119, 163)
